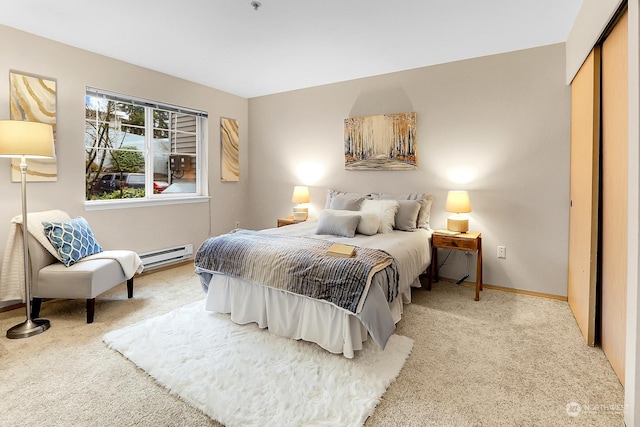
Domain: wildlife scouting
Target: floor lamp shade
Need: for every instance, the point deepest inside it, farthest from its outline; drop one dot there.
(300, 196)
(26, 140)
(458, 202)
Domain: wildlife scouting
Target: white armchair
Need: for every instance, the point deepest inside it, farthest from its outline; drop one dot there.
(86, 279)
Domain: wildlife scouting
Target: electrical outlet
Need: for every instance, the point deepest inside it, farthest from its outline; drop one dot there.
(502, 252)
(237, 224)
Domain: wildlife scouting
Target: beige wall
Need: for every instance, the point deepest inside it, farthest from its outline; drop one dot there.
(499, 124)
(140, 229)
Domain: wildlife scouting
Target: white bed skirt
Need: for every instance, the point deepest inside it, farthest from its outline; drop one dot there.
(289, 315)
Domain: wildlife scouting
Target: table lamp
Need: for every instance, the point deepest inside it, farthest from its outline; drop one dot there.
(458, 202)
(300, 196)
(21, 139)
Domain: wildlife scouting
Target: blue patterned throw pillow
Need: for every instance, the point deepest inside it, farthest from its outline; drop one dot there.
(72, 239)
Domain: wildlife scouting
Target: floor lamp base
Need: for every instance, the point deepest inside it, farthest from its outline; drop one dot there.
(28, 328)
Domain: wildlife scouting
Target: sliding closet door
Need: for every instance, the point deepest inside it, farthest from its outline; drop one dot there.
(614, 194)
(583, 221)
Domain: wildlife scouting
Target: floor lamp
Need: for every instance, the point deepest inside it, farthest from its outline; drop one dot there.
(20, 139)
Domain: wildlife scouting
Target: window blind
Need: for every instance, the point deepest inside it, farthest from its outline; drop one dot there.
(113, 96)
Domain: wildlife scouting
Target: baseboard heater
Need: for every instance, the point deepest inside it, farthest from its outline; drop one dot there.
(163, 257)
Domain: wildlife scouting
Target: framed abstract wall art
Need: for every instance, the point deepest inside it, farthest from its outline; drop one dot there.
(229, 150)
(382, 142)
(33, 99)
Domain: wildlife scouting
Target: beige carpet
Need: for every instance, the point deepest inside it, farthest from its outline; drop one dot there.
(507, 360)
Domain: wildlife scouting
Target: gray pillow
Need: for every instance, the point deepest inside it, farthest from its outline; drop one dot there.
(337, 225)
(332, 193)
(368, 224)
(407, 215)
(346, 202)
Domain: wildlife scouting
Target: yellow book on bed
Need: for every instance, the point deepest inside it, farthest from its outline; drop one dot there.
(345, 251)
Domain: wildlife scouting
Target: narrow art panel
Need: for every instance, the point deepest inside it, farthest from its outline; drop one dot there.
(33, 99)
(229, 150)
(381, 142)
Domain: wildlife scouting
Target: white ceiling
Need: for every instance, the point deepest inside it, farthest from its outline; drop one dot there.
(292, 44)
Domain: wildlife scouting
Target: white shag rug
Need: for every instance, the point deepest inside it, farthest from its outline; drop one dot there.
(240, 375)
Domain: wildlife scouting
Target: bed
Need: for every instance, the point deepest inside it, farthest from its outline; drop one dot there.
(327, 322)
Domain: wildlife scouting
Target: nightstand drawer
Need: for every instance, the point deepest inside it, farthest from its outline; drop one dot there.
(451, 242)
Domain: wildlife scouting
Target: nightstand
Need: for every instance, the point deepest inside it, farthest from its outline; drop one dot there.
(470, 241)
(288, 221)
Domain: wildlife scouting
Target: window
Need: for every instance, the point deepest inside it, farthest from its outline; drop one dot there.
(138, 149)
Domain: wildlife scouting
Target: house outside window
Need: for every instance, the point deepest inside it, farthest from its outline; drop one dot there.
(140, 150)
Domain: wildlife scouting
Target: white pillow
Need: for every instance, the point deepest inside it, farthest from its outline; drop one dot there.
(426, 200)
(385, 210)
(369, 221)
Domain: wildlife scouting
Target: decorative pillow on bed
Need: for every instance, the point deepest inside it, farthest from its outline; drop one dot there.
(385, 210)
(407, 215)
(425, 199)
(348, 202)
(332, 193)
(337, 225)
(72, 239)
(368, 224)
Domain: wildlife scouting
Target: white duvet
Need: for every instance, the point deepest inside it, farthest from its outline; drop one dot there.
(298, 317)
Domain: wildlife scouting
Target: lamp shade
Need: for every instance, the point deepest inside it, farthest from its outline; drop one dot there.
(26, 139)
(458, 202)
(300, 194)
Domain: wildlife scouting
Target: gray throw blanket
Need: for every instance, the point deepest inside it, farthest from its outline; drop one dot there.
(299, 265)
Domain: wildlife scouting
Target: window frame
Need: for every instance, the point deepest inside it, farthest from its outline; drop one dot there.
(150, 199)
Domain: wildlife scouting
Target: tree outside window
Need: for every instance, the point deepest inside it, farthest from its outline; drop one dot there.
(139, 151)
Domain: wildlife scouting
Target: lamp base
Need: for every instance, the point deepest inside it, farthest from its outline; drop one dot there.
(28, 328)
(300, 214)
(458, 225)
